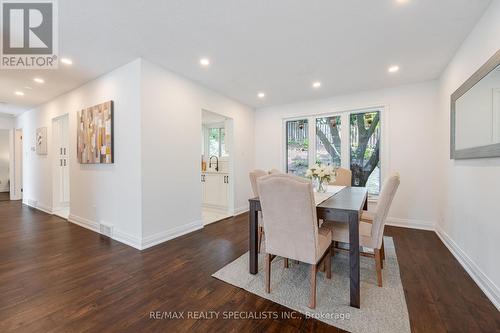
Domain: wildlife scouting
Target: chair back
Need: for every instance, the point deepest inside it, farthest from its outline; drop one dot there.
(253, 180)
(384, 204)
(343, 177)
(290, 223)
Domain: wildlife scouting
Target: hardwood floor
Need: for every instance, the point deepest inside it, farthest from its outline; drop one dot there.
(56, 276)
(4, 196)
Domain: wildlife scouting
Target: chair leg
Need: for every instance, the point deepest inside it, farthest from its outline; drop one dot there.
(260, 233)
(383, 250)
(267, 280)
(378, 266)
(285, 262)
(312, 299)
(328, 264)
(334, 245)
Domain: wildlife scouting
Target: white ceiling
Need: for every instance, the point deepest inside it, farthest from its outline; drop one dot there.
(279, 47)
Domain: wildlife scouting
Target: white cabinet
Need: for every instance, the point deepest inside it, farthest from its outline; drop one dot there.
(215, 189)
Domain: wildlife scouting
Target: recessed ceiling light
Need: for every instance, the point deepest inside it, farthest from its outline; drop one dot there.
(39, 80)
(204, 62)
(261, 95)
(67, 61)
(402, 1)
(393, 69)
(19, 93)
(316, 84)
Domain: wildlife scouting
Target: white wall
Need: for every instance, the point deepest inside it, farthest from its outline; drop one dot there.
(99, 193)
(6, 121)
(171, 151)
(4, 160)
(410, 117)
(469, 220)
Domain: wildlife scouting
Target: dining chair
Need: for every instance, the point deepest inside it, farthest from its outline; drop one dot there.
(343, 177)
(371, 226)
(274, 171)
(253, 181)
(291, 226)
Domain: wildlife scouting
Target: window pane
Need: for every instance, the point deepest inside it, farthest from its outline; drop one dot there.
(223, 142)
(328, 146)
(365, 150)
(213, 142)
(297, 145)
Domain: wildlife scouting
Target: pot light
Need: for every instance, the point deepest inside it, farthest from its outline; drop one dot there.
(39, 80)
(204, 62)
(261, 95)
(316, 84)
(19, 93)
(67, 61)
(393, 69)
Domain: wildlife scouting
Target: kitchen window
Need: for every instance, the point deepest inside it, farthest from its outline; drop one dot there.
(216, 142)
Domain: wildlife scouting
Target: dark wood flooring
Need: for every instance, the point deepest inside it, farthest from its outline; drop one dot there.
(4, 196)
(58, 277)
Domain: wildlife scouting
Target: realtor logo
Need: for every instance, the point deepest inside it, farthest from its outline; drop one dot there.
(29, 34)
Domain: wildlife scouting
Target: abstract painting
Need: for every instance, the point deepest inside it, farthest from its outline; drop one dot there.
(41, 141)
(95, 134)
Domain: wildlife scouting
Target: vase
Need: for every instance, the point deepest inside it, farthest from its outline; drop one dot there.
(321, 186)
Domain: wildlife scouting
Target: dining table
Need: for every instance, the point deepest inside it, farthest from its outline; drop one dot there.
(345, 205)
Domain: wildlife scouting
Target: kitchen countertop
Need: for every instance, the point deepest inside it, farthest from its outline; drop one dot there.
(214, 172)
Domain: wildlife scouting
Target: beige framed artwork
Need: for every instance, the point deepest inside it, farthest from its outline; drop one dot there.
(95, 134)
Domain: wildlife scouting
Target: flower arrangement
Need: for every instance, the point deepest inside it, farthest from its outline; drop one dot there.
(323, 174)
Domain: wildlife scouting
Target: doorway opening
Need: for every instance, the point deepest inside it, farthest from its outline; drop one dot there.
(60, 193)
(5, 164)
(216, 167)
(16, 164)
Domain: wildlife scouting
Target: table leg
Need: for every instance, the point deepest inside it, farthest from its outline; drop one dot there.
(254, 239)
(354, 259)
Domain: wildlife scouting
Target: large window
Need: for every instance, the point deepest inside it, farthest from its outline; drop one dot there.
(365, 150)
(349, 140)
(297, 147)
(216, 142)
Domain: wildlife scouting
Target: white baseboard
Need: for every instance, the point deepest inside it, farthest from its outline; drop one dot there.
(240, 210)
(487, 286)
(127, 239)
(36, 205)
(83, 222)
(166, 235)
(410, 223)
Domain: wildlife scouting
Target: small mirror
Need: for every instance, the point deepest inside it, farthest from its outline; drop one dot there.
(475, 114)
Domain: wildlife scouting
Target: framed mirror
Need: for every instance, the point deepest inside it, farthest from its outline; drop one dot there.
(475, 114)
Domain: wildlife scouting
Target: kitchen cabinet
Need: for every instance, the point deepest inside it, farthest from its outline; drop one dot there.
(215, 189)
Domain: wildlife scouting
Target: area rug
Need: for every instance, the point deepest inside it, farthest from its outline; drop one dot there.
(383, 309)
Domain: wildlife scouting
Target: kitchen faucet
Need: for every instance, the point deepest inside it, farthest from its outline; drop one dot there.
(216, 162)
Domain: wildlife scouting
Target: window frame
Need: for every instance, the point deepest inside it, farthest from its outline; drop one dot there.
(345, 115)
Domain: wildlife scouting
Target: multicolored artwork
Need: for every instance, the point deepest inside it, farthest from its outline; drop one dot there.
(95, 134)
(41, 141)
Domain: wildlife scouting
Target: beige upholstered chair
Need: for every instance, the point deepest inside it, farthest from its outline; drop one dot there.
(274, 172)
(343, 177)
(291, 226)
(371, 227)
(253, 181)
